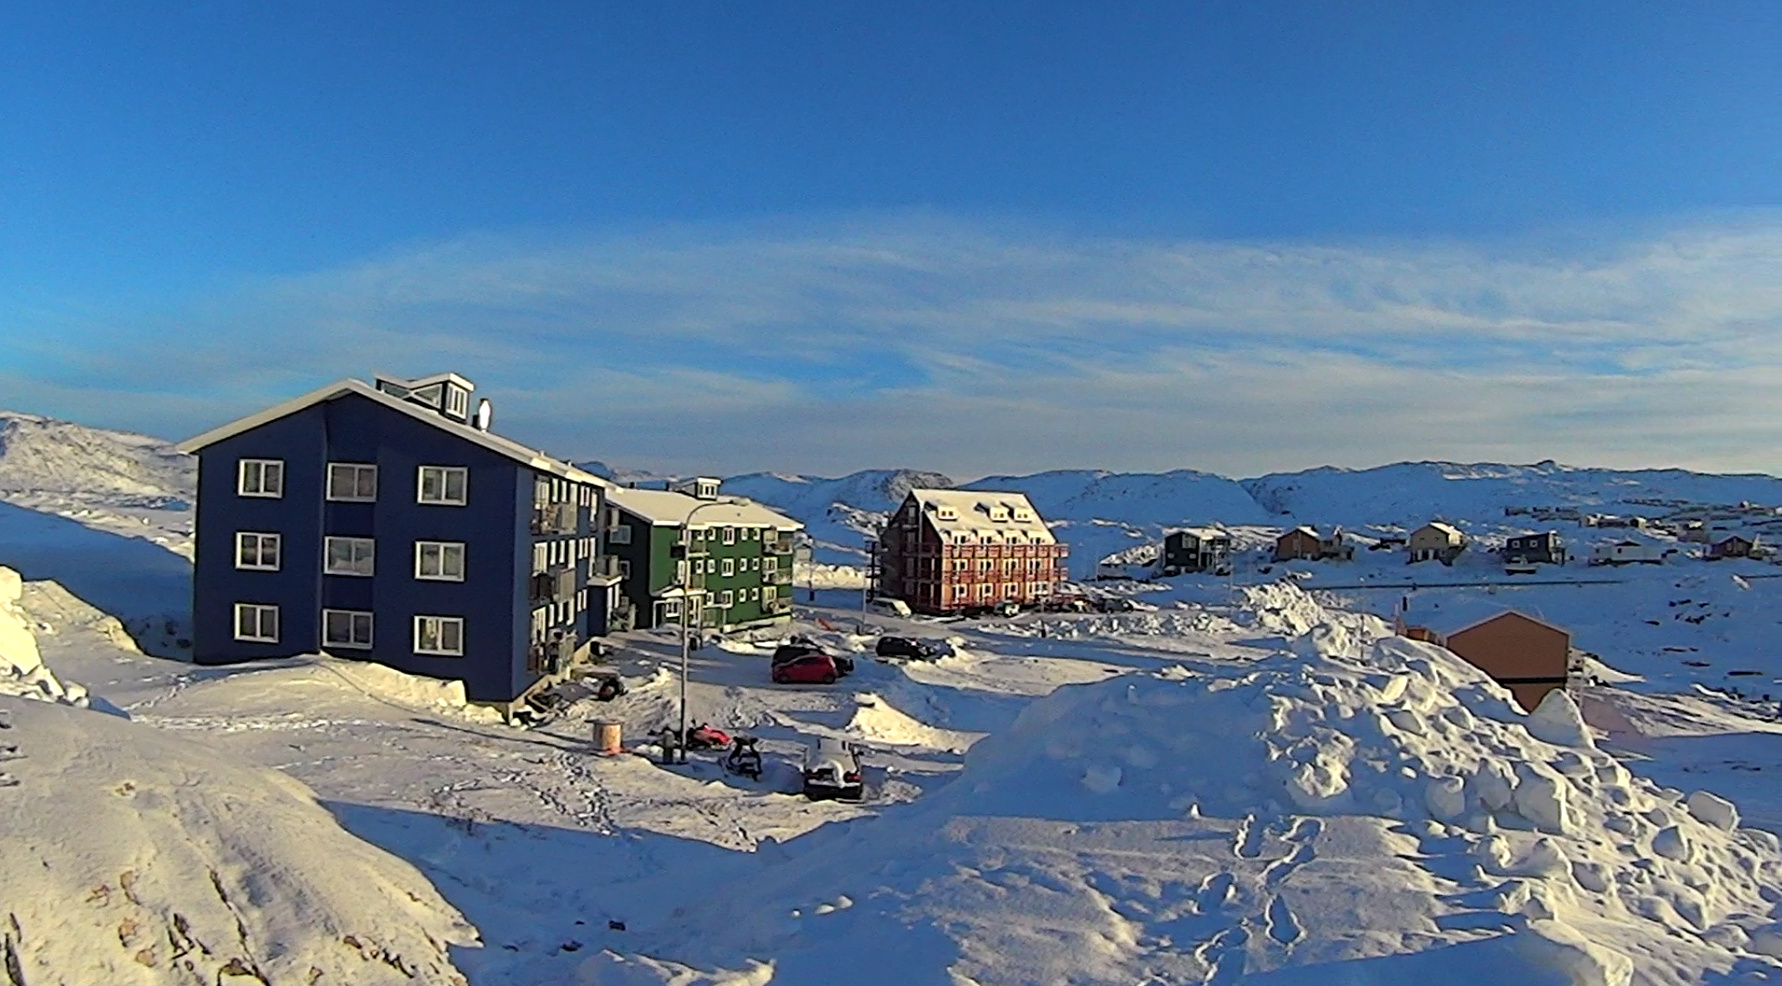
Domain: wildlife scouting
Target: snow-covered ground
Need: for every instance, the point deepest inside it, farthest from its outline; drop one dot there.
(1244, 779)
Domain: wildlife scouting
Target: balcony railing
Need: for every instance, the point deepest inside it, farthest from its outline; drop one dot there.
(604, 567)
(554, 518)
(777, 545)
(778, 576)
(555, 586)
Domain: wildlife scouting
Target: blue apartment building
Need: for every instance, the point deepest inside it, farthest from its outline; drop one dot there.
(386, 522)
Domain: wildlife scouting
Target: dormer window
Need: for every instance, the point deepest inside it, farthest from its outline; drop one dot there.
(999, 513)
(1023, 515)
(457, 403)
(947, 513)
(430, 396)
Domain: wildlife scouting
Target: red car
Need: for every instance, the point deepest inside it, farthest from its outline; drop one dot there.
(806, 669)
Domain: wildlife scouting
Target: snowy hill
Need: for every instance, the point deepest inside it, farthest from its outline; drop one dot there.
(1409, 493)
(836, 512)
(43, 455)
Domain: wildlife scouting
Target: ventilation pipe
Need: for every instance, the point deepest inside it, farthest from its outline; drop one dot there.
(485, 412)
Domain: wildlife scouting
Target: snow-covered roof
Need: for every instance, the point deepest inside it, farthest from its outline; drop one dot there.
(1310, 532)
(982, 514)
(489, 440)
(672, 509)
(1452, 532)
(1203, 533)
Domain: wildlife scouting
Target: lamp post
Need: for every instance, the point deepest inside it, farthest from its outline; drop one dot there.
(686, 601)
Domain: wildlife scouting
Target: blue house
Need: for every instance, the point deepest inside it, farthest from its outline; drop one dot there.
(387, 523)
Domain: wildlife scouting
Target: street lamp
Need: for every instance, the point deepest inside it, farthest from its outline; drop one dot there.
(686, 600)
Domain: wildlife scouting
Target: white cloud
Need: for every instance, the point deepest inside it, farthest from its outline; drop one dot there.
(981, 348)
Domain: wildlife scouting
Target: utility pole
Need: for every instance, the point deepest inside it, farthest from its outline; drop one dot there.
(686, 618)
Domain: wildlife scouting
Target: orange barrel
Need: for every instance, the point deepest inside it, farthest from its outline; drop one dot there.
(607, 736)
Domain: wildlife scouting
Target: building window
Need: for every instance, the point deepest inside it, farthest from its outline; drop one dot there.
(261, 477)
(619, 534)
(256, 622)
(457, 402)
(768, 592)
(959, 592)
(346, 628)
(441, 561)
(729, 567)
(625, 568)
(986, 590)
(754, 564)
(256, 551)
(729, 535)
(348, 556)
(352, 481)
(727, 598)
(680, 570)
(755, 595)
(441, 635)
(770, 564)
(444, 485)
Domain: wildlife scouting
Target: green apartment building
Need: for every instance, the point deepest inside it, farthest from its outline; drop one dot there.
(734, 557)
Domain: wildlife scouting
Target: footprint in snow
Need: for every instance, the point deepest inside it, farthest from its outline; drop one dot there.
(7, 780)
(10, 751)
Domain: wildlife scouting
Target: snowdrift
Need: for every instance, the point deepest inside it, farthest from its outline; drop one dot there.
(1351, 805)
(136, 857)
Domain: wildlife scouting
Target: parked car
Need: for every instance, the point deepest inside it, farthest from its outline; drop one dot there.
(1113, 604)
(889, 607)
(1006, 609)
(832, 770)
(797, 649)
(806, 669)
(915, 650)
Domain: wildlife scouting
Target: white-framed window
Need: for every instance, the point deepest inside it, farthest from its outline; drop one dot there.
(457, 402)
(346, 628)
(541, 558)
(348, 556)
(260, 477)
(256, 551)
(671, 609)
(1011, 589)
(727, 598)
(443, 485)
(729, 565)
(755, 564)
(770, 564)
(257, 622)
(755, 595)
(680, 570)
(729, 535)
(440, 561)
(439, 635)
(768, 592)
(986, 590)
(352, 481)
(959, 592)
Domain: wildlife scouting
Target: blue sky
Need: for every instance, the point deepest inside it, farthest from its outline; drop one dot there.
(971, 237)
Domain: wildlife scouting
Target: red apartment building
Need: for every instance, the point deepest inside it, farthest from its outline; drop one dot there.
(945, 551)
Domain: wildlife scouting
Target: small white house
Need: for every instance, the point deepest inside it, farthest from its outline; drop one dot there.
(1626, 552)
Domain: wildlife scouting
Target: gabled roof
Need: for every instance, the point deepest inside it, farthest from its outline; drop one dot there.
(1498, 616)
(1308, 531)
(670, 508)
(1203, 533)
(1448, 529)
(971, 515)
(493, 442)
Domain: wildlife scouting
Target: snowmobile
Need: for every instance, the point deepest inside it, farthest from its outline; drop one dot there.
(743, 758)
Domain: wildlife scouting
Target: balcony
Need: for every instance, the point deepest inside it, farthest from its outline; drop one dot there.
(777, 546)
(778, 576)
(554, 518)
(555, 586)
(604, 567)
(553, 656)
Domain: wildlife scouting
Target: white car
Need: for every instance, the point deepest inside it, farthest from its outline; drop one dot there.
(832, 770)
(890, 607)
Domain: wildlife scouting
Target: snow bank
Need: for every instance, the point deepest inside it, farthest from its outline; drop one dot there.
(1353, 798)
(185, 867)
(876, 720)
(22, 671)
